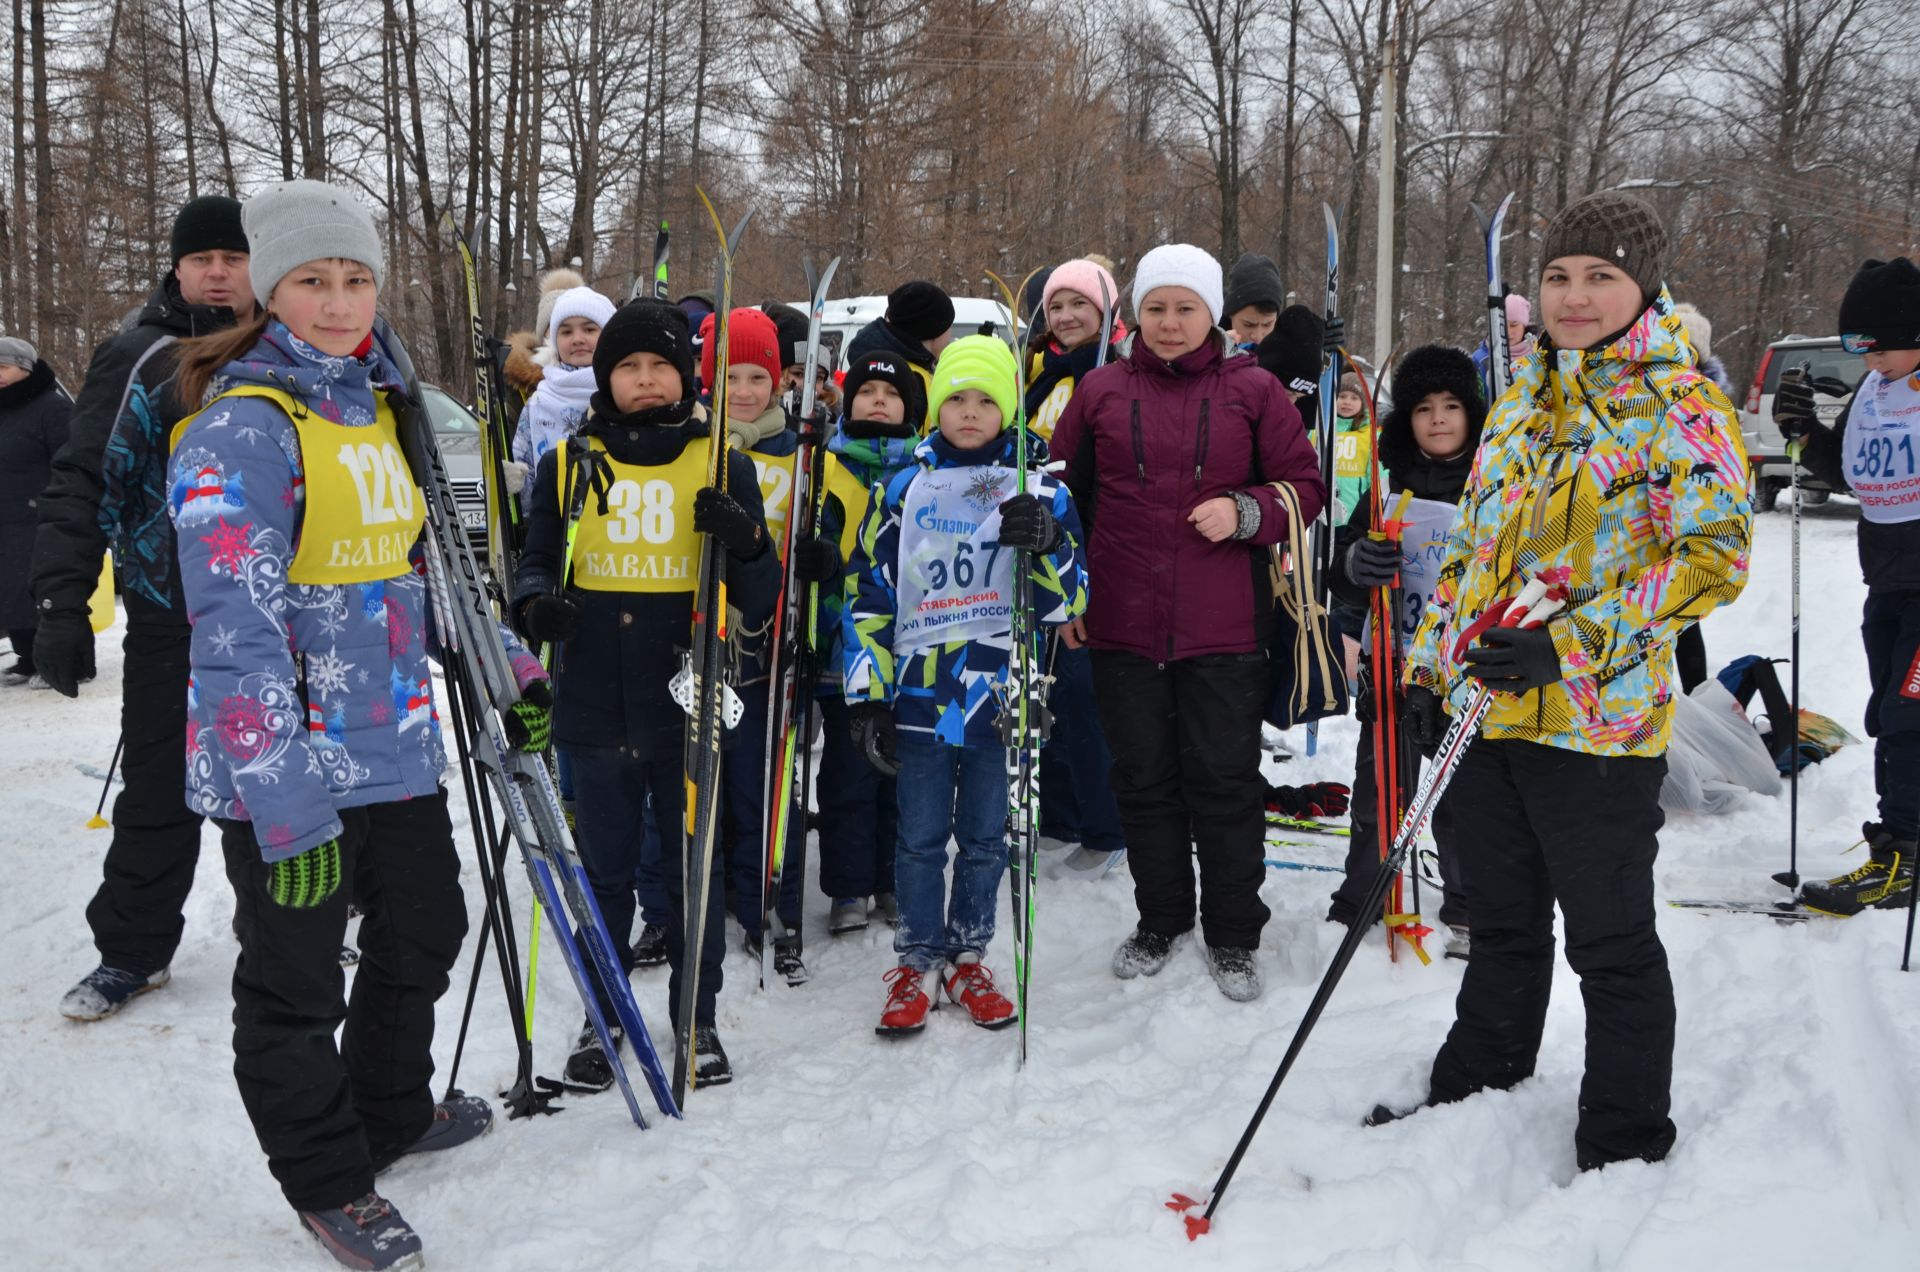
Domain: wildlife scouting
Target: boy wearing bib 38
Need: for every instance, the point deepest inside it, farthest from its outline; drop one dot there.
(608, 575)
(1874, 451)
(928, 632)
(312, 736)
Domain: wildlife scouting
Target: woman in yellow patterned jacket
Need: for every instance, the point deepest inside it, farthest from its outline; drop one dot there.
(1612, 457)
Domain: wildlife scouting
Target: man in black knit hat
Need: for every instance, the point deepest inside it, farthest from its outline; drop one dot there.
(112, 473)
(1874, 451)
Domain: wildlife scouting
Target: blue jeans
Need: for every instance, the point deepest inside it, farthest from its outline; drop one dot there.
(1076, 772)
(957, 792)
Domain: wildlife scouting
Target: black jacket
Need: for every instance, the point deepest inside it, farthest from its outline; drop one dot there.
(610, 680)
(879, 337)
(92, 496)
(1889, 554)
(33, 426)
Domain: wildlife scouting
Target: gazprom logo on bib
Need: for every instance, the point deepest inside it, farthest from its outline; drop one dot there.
(928, 517)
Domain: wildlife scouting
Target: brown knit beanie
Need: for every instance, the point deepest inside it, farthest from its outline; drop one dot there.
(1616, 227)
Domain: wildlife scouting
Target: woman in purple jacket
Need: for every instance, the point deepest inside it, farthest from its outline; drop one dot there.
(1169, 454)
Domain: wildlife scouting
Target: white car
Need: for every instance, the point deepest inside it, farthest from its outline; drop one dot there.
(1835, 373)
(843, 319)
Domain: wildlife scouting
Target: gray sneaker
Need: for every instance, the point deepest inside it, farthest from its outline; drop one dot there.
(106, 990)
(1144, 954)
(887, 906)
(367, 1234)
(1235, 972)
(848, 914)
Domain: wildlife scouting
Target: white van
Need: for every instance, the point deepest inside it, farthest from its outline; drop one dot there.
(844, 318)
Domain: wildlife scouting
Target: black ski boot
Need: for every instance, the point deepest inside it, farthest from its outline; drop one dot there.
(1882, 882)
(588, 1066)
(787, 963)
(710, 1064)
(650, 948)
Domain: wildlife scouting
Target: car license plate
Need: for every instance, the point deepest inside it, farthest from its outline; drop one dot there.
(473, 519)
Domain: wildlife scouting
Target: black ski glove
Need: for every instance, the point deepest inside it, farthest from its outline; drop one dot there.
(1373, 562)
(1423, 717)
(1514, 659)
(1027, 523)
(877, 737)
(1332, 336)
(549, 619)
(63, 649)
(815, 560)
(529, 722)
(717, 513)
(1793, 411)
(1315, 800)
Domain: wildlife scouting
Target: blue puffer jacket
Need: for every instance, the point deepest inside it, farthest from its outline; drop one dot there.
(945, 693)
(303, 699)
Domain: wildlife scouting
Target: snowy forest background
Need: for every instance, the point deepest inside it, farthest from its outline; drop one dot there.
(940, 138)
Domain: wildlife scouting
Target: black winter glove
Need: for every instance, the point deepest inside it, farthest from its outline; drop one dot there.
(1423, 716)
(1332, 336)
(529, 722)
(815, 560)
(63, 649)
(1514, 659)
(549, 619)
(1793, 411)
(1027, 523)
(717, 513)
(1315, 800)
(877, 737)
(1373, 562)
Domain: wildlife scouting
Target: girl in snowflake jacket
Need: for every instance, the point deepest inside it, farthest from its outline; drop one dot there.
(312, 733)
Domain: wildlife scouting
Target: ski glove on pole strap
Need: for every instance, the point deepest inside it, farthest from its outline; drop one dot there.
(876, 736)
(1332, 337)
(1373, 562)
(1514, 659)
(529, 722)
(308, 880)
(1026, 523)
(1793, 411)
(715, 512)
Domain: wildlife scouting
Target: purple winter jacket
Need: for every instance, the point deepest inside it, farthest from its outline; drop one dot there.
(1144, 442)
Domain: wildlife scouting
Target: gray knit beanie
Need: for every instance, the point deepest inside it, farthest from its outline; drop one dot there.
(15, 352)
(299, 221)
(1617, 227)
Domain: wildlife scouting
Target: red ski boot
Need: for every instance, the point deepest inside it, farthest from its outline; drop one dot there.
(971, 985)
(907, 1004)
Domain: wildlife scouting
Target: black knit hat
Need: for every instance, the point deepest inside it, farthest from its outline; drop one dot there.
(792, 326)
(919, 310)
(1429, 369)
(1253, 280)
(644, 326)
(1882, 306)
(1033, 301)
(1617, 227)
(1292, 350)
(896, 371)
(210, 223)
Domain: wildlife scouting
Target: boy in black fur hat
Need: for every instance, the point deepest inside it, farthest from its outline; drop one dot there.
(1426, 446)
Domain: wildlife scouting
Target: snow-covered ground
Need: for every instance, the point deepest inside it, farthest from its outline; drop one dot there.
(1796, 1081)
